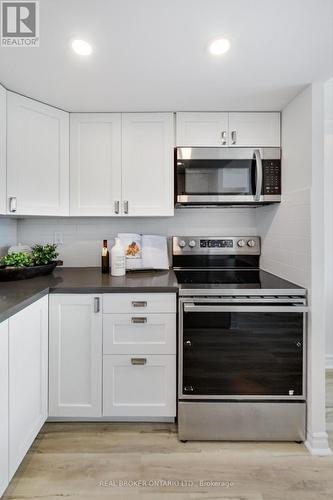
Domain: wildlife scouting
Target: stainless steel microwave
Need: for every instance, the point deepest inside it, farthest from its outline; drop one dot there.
(227, 176)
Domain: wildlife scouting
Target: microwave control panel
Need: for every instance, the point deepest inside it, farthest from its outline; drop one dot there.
(271, 177)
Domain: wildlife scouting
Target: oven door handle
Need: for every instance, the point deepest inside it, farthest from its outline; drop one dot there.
(258, 174)
(192, 307)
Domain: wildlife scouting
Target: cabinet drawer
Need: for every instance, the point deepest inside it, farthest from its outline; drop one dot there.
(139, 303)
(139, 333)
(139, 386)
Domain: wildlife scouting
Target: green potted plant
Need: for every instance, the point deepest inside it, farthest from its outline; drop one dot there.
(23, 264)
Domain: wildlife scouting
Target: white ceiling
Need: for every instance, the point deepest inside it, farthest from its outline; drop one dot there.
(152, 54)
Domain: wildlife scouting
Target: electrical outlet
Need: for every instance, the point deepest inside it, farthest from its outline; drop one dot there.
(58, 238)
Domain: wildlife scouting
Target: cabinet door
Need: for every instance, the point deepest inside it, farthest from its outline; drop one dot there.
(147, 164)
(2, 150)
(3, 406)
(95, 163)
(139, 386)
(254, 129)
(202, 129)
(75, 368)
(28, 360)
(37, 158)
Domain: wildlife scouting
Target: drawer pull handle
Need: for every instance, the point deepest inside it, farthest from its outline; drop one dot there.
(97, 306)
(138, 361)
(139, 320)
(139, 303)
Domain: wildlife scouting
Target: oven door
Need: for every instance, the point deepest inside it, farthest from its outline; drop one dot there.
(241, 352)
(218, 175)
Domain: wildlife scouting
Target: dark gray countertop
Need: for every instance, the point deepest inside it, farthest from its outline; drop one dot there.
(16, 295)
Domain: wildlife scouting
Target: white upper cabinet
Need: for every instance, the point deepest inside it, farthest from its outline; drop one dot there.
(95, 163)
(202, 129)
(37, 158)
(254, 129)
(147, 164)
(228, 129)
(75, 366)
(28, 374)
(3, 203)
(4, 401)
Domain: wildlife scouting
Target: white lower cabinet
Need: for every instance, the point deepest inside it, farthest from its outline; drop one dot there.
(75, 359)
(139, 386)
(4, 470)
(28, 361)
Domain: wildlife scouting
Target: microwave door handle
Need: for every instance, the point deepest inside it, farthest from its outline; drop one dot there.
(259, 174)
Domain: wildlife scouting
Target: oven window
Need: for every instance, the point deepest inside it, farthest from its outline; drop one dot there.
(216, 177)
(242, 353)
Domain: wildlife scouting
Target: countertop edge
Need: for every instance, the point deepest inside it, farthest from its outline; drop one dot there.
(11, 311)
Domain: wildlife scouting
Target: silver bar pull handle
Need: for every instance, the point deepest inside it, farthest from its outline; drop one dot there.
(139, 320)
(189, 307)
(233, 137)
(258, 173)
(224, 137)
(116, 207)
(139, 303)
(12, 204)
(96, 304)
(138, 361)
(125, 207)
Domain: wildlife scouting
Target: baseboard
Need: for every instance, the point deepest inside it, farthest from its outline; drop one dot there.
(317, 443)
(329, 361)
(112, 419)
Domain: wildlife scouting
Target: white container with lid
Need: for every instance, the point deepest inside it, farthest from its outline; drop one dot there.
(118, 261)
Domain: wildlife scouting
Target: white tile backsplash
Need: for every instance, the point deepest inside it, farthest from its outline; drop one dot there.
(82, 237)
(286, 228)
(8, 234)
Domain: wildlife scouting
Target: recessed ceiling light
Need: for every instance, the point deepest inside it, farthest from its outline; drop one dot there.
(219, 46)
(81, 47)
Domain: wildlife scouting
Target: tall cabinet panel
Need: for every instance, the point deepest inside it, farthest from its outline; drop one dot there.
(2, 150)
(37, 158)
(95, 163)
(3, 406)
(28, 370)
(147, 164)
(75, 369)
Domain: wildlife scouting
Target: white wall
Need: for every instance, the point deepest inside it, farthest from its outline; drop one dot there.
(8, 234)
(82, 237)
(285, 229)
(328, 159)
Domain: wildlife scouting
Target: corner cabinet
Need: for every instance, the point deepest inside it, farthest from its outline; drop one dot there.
(75, 355)
(37, 158)
(3, 126)
(121, 164)
(228, 129)
(28, 375)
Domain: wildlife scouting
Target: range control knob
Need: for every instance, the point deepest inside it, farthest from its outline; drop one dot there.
(182, 243)
(192, 243)
(251, 243)
(241, 243)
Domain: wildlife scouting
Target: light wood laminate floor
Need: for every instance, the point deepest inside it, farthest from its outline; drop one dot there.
(89, 461)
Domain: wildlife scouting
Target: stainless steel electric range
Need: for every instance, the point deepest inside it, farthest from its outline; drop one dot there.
(242, 344)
